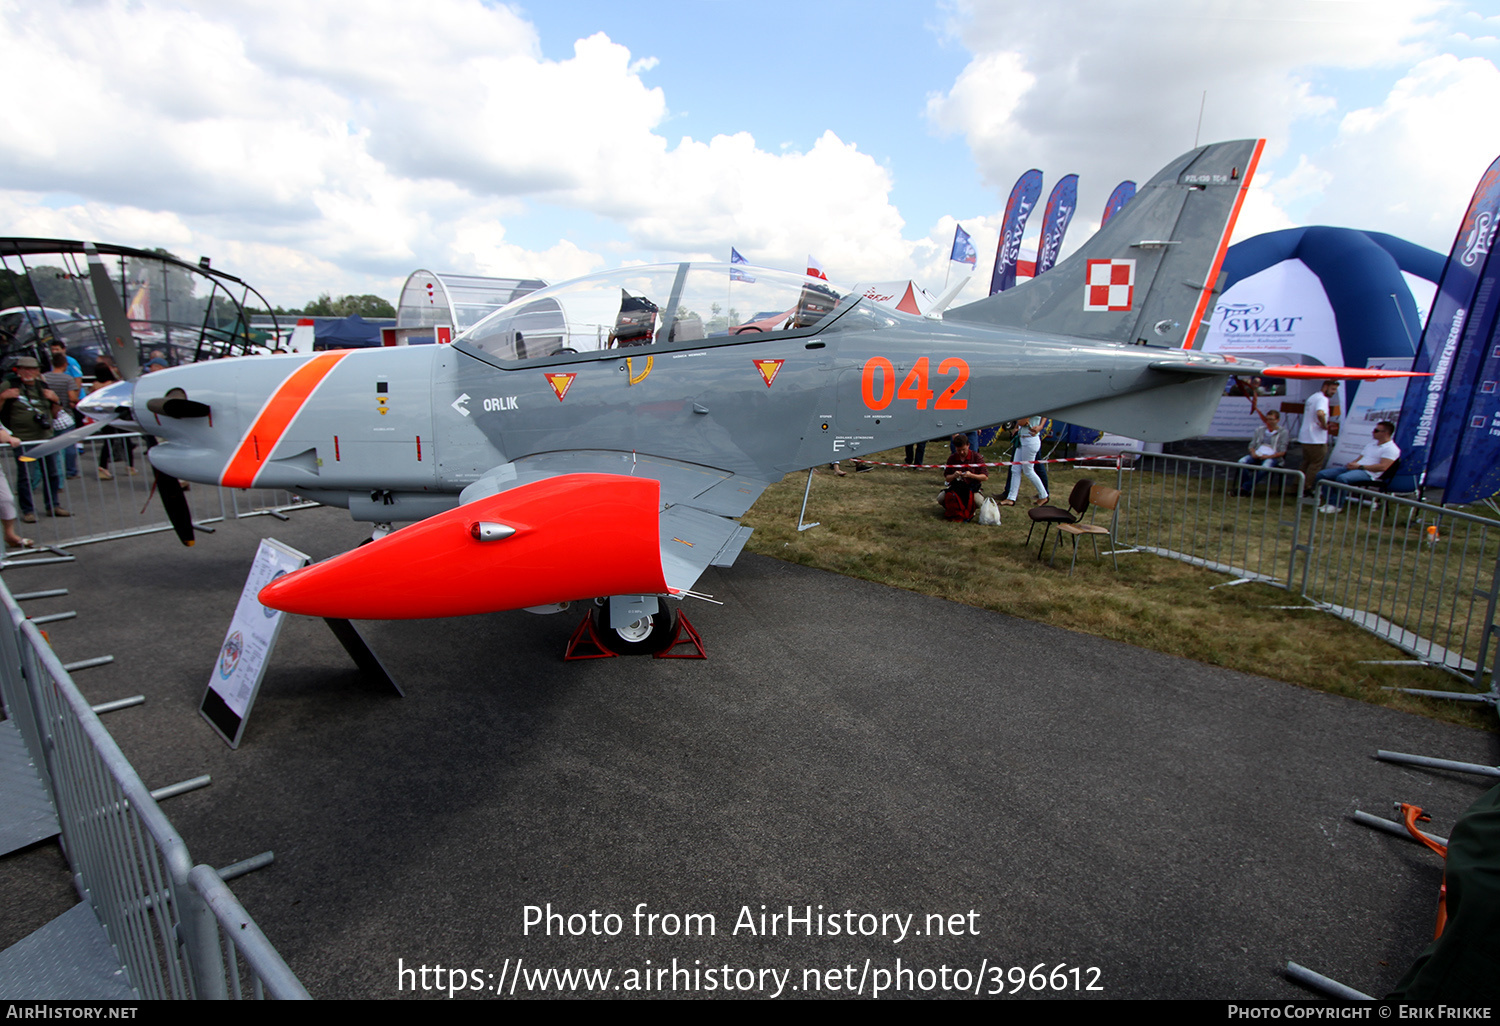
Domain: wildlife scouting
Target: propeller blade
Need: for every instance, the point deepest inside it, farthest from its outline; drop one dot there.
(57, 443)
(112, 313)
(175, 503)
(176, 404)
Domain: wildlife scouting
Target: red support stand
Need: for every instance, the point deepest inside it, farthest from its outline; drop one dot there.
(586, 635)
(683, 627)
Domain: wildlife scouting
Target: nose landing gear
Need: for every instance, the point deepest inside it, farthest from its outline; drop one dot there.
(654, 634)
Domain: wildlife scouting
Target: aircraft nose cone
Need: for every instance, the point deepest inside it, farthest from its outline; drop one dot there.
(557, 552)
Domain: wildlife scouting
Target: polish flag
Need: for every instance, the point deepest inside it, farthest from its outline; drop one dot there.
(815, 268)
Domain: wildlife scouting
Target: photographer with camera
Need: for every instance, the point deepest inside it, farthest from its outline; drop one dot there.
(28, 410)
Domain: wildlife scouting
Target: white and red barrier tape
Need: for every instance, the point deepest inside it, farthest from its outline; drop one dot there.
(1001, 463)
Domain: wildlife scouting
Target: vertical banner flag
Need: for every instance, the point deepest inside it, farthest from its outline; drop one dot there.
(1475, 475)
(1463, 396)
(1123, 194)
(1023, 197)
(1056, 217)
(963, 248)
(1417, 430)
(815, 268)
(735, 258)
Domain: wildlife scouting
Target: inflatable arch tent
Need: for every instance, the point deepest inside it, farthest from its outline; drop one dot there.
(1335, 296)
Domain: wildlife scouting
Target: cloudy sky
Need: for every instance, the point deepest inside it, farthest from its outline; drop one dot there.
(338, 145)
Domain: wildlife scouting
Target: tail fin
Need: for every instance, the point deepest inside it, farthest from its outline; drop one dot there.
(1150, 274)
(303, 336)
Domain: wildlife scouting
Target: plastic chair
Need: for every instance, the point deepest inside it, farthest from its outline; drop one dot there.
(1078, 505)
(1100, 497)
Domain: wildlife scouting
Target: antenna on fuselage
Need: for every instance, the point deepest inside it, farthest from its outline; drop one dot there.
(935, 311)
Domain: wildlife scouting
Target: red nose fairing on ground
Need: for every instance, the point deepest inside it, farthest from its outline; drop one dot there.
(570, 537)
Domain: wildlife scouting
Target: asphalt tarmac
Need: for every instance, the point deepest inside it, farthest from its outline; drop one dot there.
(1009, 795)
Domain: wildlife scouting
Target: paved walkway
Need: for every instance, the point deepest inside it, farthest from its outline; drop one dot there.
(1047, 797)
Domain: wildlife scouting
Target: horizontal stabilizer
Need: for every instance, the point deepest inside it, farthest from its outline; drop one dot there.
(1181, 408)
(1297, 370)
(1192, 365)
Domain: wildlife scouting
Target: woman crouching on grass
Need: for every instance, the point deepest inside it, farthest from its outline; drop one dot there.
(965, 475)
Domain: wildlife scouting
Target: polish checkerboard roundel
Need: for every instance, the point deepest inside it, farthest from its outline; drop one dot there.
(1110, 285)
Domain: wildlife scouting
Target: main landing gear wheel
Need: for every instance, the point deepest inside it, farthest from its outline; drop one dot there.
(646, 636)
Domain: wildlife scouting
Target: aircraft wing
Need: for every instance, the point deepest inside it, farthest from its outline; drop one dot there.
(1198, 365)
(698, 503)
(549, 528)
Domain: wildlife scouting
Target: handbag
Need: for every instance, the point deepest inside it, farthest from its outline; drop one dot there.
(989, 512)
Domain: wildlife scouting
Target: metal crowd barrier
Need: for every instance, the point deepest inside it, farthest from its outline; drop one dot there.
(259, 502)
(268, 974)
(1191, 509)
(128, 862)
(122, 505)
(1422, 577)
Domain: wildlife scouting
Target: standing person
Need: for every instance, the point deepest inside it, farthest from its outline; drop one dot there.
(66, 384)
(916, 453)
(13, 539)
(1031, 445)
(1313, 434)
(1268, 448)
(29, 406)
(965, 474)
(55, 347)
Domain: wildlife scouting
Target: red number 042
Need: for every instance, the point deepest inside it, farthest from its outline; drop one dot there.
(914, 385)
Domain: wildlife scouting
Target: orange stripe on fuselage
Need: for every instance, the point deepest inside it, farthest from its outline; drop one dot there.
(1195, 325)
(278, 413)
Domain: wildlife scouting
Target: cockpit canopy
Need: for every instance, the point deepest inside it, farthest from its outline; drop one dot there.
(653, 305)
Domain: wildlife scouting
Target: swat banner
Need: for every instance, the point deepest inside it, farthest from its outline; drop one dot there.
(1123, 194)
(1023, 197)
(1279, 315)
(1055, 220)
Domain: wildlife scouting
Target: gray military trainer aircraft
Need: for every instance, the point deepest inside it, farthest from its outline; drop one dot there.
(598, 439)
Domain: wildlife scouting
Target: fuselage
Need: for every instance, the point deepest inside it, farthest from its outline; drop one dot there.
(398, 433)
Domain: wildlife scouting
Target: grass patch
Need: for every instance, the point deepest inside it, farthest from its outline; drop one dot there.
(886, 526)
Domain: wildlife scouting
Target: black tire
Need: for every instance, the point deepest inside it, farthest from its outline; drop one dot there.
(647, 636)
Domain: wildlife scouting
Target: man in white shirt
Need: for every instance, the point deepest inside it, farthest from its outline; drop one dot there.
(1313, 435)
(1374, 460)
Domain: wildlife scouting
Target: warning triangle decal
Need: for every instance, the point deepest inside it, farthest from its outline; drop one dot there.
(768, 369)
(560, 384)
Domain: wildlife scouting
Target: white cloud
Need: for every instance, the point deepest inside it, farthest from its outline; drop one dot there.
(1410, 164)
(341, 144)
(371, 139)
(1111, 90)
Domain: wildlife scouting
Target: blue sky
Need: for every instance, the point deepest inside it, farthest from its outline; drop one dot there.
(339, 146)
(790, 71)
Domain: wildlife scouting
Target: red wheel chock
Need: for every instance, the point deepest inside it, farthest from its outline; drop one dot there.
(683, 627)
(586, 635)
